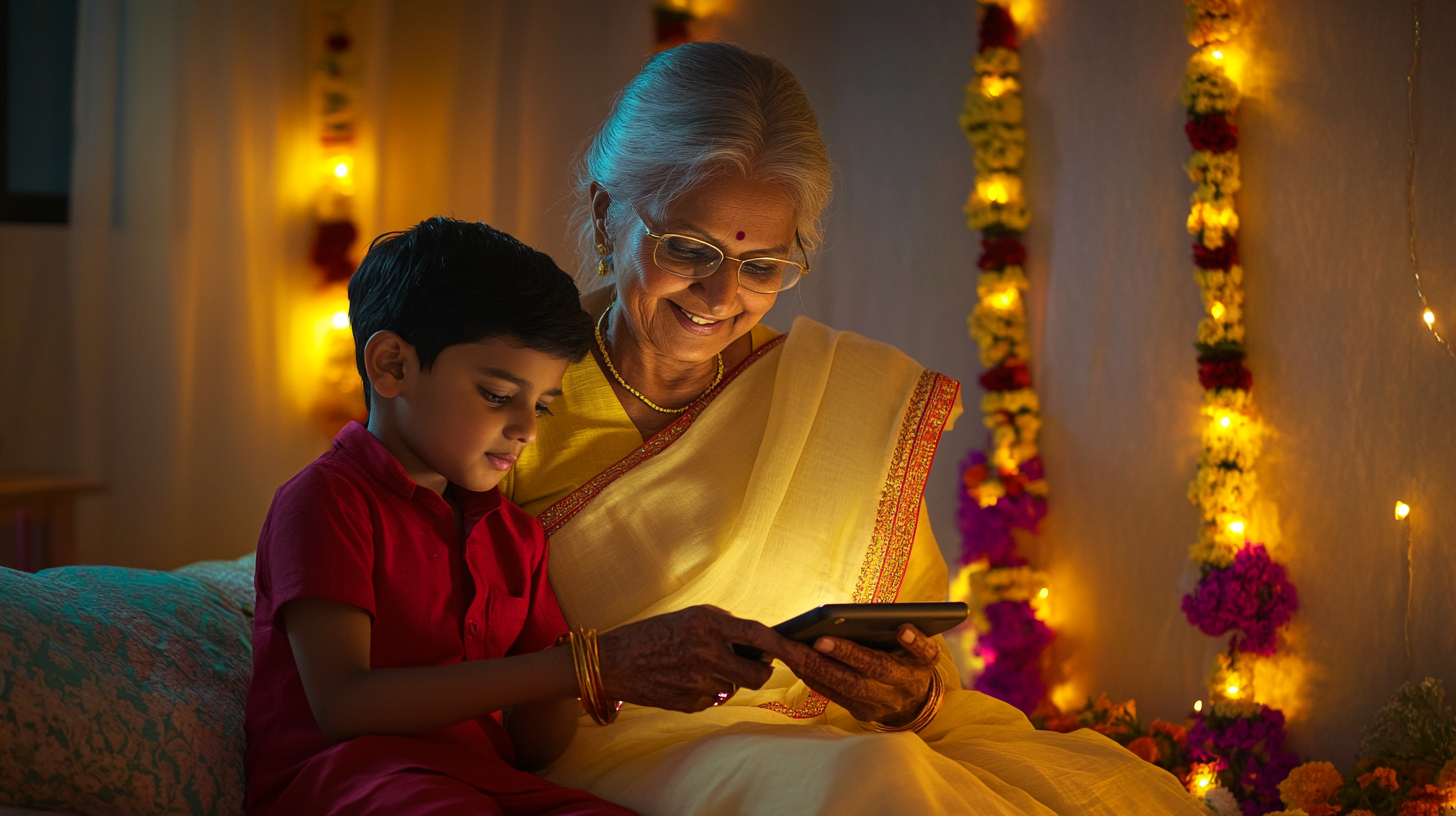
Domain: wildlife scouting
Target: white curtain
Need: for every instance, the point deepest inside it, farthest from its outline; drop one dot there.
(191, 229)
(185, 240)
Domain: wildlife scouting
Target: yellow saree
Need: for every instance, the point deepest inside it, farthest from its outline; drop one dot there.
(797, 483)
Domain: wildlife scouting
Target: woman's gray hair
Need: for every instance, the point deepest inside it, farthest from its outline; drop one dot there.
(694, 113)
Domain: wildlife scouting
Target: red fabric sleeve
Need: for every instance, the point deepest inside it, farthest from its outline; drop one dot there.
(318, 542)
(544, 622)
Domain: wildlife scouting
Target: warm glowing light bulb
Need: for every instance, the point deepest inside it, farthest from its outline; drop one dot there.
(340, 319)
(1218, 55)
(1217, 310)
(1203, 777)
(1429, 317)
(995, 86)
(341, 170)
(1044, 593)
(1401, 510)
(1224, 422)
(1233, 691)
(996, 193)
(1197, 705)
(1236, 527)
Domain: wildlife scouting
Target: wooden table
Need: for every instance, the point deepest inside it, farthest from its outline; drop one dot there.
(41, 510)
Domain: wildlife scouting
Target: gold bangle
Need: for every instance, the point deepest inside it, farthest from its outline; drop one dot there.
(587, 664)
(606, 709)
(932, 707)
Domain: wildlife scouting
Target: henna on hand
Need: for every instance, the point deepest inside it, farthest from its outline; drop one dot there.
(684, 660)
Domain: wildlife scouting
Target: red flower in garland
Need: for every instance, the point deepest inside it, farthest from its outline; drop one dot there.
(1216, 134)
(998, 30)
(1009, 376)
(1003, 251)
(331, 242)
(1224, 374)
(1221, 258)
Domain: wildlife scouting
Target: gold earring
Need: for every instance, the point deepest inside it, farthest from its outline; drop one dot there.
(602, 261)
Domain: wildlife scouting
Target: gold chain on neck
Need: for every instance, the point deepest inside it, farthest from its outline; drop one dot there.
(607, 358)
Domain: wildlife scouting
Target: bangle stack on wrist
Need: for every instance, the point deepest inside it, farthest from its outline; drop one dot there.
(932, 707)
(589, 676)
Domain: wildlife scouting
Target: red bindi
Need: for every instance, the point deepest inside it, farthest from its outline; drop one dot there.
(740, 236)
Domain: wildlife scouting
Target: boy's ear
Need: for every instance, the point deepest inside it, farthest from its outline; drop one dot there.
(389, 361)
(601, 201)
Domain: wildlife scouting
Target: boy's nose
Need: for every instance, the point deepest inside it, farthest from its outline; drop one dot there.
(523, 426)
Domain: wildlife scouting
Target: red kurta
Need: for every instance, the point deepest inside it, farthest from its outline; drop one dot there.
(353, 527)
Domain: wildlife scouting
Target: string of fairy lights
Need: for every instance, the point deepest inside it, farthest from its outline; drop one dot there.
(1427, 314)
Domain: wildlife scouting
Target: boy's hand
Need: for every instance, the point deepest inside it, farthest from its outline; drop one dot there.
(684, 661)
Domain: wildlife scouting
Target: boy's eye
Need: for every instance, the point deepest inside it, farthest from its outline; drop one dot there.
(543, 410)
(493, 398)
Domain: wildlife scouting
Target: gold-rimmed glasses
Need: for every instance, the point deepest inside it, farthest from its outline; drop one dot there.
(689, 257)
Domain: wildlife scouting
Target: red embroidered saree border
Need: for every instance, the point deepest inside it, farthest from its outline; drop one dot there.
(898, 514)
(553, 517)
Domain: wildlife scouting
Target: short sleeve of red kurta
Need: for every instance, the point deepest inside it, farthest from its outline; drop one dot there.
(321, 539)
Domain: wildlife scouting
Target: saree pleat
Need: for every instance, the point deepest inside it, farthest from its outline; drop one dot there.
(797, 483)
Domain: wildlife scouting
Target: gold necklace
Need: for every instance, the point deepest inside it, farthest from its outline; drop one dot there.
(607, 358)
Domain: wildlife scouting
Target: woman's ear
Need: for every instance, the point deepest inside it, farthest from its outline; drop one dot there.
(601, 201)
(390, 363)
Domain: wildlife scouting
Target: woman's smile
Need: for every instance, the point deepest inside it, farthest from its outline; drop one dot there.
(696, 323)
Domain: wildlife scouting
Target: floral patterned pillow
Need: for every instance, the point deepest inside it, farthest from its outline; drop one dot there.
(122, 692)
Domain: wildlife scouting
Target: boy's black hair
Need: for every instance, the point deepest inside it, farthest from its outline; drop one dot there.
(445, 282)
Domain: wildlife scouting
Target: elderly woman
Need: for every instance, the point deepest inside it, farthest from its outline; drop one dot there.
(699, 459)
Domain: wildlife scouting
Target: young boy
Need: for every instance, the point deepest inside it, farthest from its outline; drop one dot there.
(402, 603)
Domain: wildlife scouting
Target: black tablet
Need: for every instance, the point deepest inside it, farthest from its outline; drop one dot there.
(874, 625)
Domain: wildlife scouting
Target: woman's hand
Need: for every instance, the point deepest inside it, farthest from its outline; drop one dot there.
(683, 661)
(874, 686)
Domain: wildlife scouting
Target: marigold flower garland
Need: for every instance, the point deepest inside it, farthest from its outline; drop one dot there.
(1004, 485)
(1237, 744)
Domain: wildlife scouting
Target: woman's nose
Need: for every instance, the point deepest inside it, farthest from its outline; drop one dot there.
(719, 290)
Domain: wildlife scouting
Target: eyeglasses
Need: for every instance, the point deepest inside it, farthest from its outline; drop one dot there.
(689, 257)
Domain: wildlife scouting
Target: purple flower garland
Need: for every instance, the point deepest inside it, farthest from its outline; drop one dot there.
(1253, 596)
(1250, 751)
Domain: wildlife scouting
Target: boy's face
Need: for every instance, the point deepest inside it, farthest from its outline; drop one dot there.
(469, 417)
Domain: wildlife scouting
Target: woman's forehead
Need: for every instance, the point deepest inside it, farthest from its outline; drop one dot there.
(735, 209)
